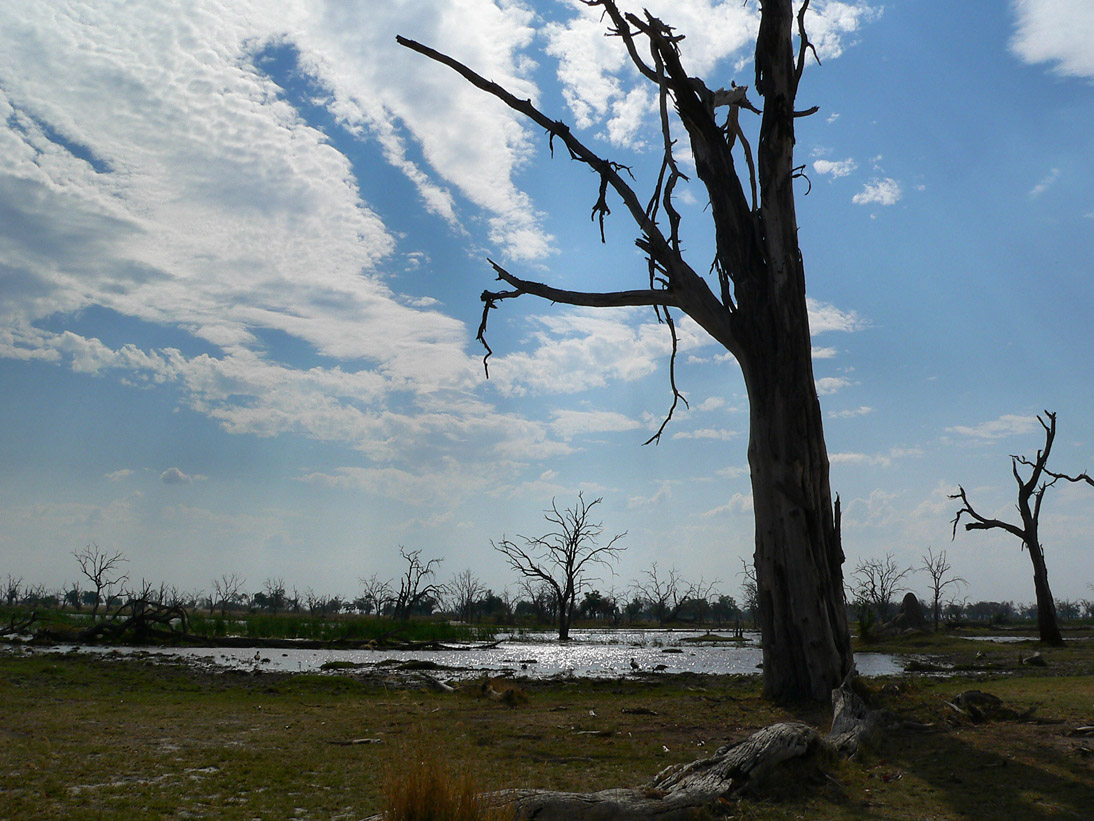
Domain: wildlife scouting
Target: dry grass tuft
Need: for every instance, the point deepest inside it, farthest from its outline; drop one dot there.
(422, 787)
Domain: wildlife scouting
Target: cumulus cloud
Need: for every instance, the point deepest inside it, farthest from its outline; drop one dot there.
(831, 384)
(174, 476)
(602, 89)
(578, 349)
(880, 191)
(1006, 425)
(839, 168)
(1057, 32)
(825, 317)
(739, 503)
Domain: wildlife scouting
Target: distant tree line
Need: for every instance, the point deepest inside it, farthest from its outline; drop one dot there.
(659, 597)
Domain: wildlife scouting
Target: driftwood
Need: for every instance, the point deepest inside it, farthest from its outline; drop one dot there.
(742, 768)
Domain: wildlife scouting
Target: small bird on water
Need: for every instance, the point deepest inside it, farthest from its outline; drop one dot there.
(634, 665)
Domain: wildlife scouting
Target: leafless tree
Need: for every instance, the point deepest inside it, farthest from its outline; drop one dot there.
(752, 302)
(464, 590)
(541, 597)
(562, 558)
(414, 585)
(750, 595)
(12, 588)
(1031, 492)
(938, 568)
(375, 593)
(226, 590)
(103, 570)
(877, 581)
(661, 592)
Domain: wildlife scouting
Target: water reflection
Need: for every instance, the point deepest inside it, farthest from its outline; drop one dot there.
(590, 654)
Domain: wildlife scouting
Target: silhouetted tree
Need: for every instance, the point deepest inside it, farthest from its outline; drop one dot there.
(562, 558)
(754, 306)
(104, 571)
(938, 568)
(877, 581)
(464, 590)
(226, 591)
(376, 594)
(1031, 492)
(414, 585)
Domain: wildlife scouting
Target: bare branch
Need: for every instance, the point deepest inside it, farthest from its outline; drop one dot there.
(608, 171)
(803, 46)
(677, 397)
(1081, 477)
(606, 299)
(979, 522)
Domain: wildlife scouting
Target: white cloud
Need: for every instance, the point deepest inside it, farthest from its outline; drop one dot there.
(827, 385)
(881, 191)
(585, 348)
(1007, 425)
(859, 459)
(825, 317)
(718, 434)
(850, 413)
(600, 86)
(840, 168)
(1055, 31)
(118, 475)
(663, 492)
(570, 423)
(740, 503)
(174, 476)
(1046, 183)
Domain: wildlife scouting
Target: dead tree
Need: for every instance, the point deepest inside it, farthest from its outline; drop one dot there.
(754, 306)
(877, 581)
(661, 592)
(226, 591)
(562, 558)
(1030, 490)
(938, 568)
(414, 587)
(464, 591)
(103, 570)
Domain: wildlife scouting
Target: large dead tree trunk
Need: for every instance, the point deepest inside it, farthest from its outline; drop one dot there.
(756, 309)
(1029, 490)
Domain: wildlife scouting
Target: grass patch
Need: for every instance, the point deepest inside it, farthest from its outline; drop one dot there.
(89, 737)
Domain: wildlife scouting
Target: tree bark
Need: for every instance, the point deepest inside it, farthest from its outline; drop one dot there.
(758, 314)
(799, 556)
(1048, 628)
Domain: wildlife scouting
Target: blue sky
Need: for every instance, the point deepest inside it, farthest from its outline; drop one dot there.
(241, 250)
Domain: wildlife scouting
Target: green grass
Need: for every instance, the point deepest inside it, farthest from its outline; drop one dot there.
(90, 737)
